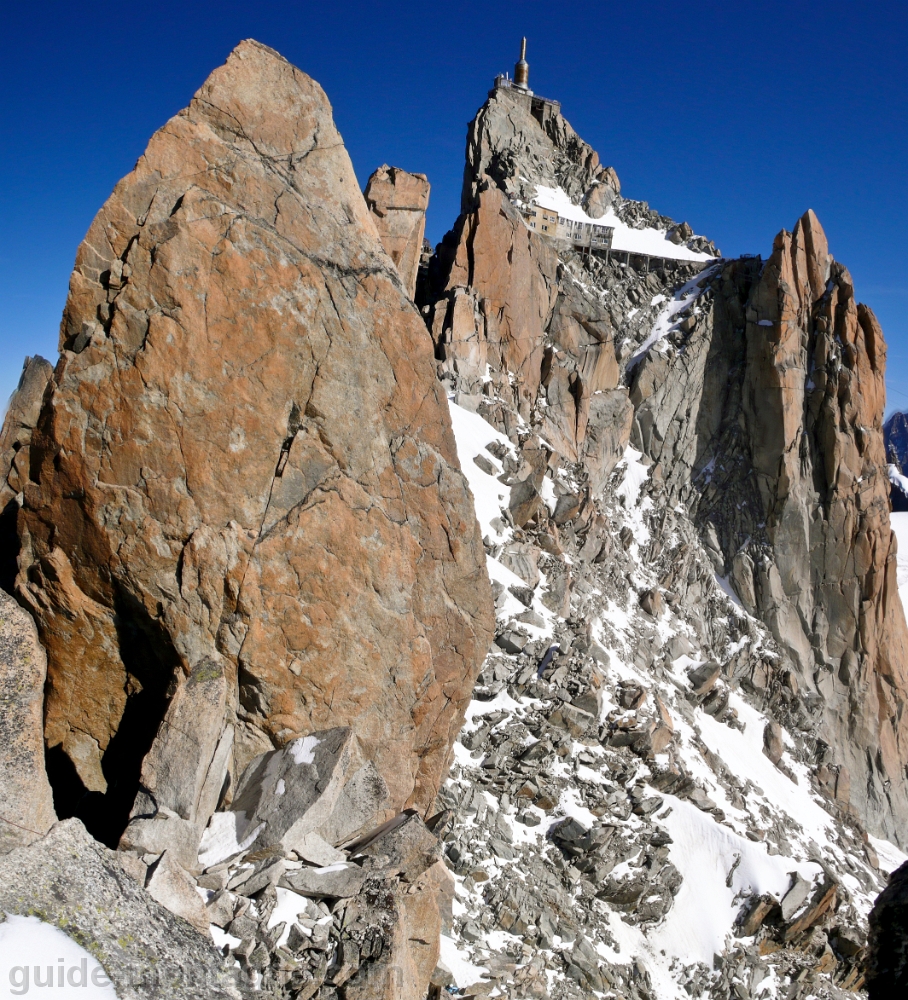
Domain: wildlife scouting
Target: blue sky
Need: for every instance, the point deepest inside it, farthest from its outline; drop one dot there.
(736, 117)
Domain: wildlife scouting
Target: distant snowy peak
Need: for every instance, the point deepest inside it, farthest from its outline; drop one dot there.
(895, 434)
(898, 489)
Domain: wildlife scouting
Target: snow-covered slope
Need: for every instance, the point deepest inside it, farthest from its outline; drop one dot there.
(651, 241)
(899, 522)
(618, 812)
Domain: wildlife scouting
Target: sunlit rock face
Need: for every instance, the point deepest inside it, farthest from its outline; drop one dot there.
(246, 518)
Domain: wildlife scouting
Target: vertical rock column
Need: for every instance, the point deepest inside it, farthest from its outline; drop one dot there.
(398, 201)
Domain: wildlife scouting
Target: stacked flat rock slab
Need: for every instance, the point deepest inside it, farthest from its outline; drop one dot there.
(398, 201)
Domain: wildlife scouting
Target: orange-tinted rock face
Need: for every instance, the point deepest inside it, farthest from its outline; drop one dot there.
(514, 275)
(398, 201)
(244, 485)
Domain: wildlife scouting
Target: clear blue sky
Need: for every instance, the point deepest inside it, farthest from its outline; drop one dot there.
(734, 116)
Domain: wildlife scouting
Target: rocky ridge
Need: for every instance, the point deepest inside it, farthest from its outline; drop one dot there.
(644, 698)
(689, 719)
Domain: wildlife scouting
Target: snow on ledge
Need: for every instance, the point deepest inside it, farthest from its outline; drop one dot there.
(654, 242)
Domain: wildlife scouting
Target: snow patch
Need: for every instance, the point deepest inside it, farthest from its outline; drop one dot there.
(225, 837)
(654, 242)
(683, 298)
(472, 435)
(302, 750)
(463, 971)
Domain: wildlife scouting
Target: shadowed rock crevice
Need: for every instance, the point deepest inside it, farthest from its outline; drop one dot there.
(150, 663)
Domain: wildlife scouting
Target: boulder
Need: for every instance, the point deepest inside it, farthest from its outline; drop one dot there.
(210, 535)
(823, 901)
(403, 846)
(288, 798)
(796, 896)
(887, 960)
(175, 890)
(76, 884)
(773, 745)
(398, 201)
(26, 803)
(522, 559)
(525, 501)
(703, 678)
(341, 881)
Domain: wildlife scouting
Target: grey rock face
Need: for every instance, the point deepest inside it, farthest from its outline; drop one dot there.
(70, 880)
(743, 410)
(26, 803)
(507, 146)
